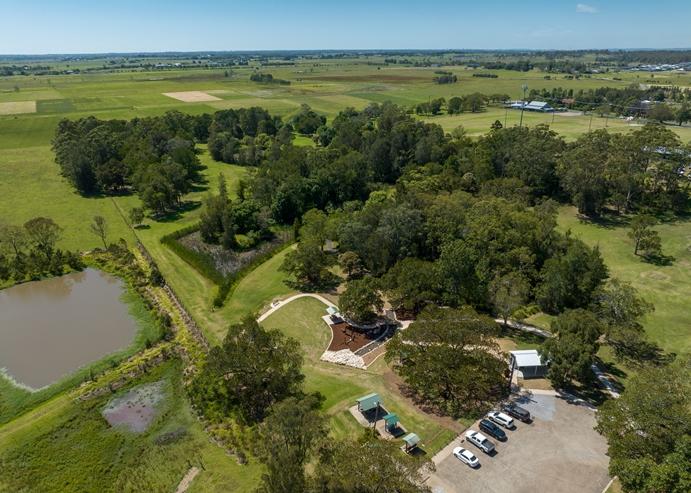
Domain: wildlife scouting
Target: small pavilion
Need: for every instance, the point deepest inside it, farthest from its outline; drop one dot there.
(411, 441)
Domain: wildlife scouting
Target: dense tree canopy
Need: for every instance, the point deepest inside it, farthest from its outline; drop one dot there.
(571, 352)
(648, 430)
(450, 359)
(252, 369)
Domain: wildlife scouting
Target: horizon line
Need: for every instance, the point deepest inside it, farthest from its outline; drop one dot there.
(339, 50)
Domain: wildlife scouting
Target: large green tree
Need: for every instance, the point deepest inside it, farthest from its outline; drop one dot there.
(361, 301)
(509, 292)
(571, 352)
(648, 429)
(581, 171)
(286, 441)
(368, 466)
(450, 358)
(251, 370)
(308, 264)
(645, 238)
(411, 284)
(620, 309)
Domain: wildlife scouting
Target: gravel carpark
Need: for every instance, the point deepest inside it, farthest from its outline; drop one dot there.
(558, 452)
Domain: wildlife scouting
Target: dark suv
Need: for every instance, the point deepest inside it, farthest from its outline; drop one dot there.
(493, 430)
(517, 412)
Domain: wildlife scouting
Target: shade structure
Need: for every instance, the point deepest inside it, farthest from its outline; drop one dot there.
(391, 420)
(368, 402)
(411, 440)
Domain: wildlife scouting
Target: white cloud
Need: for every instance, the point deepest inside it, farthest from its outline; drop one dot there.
(583, 8)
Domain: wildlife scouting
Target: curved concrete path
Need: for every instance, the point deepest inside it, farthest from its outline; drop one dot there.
(284, 302)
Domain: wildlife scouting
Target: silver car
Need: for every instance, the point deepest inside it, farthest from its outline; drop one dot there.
(466, 456)
(480, 441)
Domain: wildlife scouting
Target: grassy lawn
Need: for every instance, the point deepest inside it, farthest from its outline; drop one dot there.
(341, 385)
(666, 286)
(570, 127)
(67, 446)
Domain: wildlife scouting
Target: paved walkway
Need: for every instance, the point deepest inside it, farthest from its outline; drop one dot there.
(186, 481)
(281, 303)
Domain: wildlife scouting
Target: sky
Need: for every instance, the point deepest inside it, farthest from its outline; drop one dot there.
(100, 26)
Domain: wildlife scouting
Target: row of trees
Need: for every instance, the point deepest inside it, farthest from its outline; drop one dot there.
(29, 251)
(254, 379)
(470, 103)
(613, 100)
(154, 156)
(641, 170)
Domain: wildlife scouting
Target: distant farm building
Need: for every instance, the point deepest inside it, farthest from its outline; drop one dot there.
(539, 106)
(528, 362)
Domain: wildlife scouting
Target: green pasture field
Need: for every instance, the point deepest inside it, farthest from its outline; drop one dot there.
(565, 124)
(64, 446)
(341, 385)
(665, 286)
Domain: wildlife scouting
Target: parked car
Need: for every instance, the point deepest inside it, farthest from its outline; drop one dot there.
(466, 456)
(503, 419)
(517, 412)
(480, 441)
(492, 430)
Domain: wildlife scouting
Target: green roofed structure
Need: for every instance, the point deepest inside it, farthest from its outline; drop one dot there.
(368, 402)
(411, 441)
(391, 421)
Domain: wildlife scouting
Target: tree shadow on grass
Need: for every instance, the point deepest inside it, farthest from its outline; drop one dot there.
(659, 260)
(608, 220)
(521, 337)
(177, 214)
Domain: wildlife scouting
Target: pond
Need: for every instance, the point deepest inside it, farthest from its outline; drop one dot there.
(52, 327)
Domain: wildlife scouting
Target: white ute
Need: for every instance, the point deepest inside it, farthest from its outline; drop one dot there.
(502, 419)
(480, 441)
(466, 456)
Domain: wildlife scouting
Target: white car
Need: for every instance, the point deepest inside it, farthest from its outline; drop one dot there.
(466, 456)
(502, 419)
(480, 441)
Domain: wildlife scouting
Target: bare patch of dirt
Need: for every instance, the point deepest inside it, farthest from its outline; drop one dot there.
(348, 337)
(17, 107)
(191, 96)
(655, 275)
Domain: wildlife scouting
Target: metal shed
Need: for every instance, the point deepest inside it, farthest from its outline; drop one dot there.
(528, 362)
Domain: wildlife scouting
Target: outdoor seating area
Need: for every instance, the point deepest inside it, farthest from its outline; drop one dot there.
(352, 345)
(370, 412)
